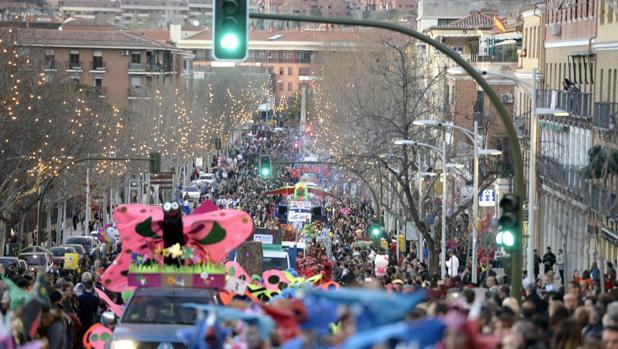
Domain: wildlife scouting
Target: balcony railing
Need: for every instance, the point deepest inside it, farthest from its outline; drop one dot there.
(100, 91)
(74, 65)
(98, 65)
(578, 104)
(50, 64)
(138, 92)
(563, 177)
(603, 201)
(153, 68)
(605, 115)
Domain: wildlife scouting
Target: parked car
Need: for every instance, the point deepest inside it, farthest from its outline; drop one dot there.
(209, 178)
(8, 261)
(192, 193)
(58, 253)
(90, 243)
(154, 316)
(79, 249)
(36, 260)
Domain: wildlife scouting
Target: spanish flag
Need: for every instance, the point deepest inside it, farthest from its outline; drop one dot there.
(499, 24)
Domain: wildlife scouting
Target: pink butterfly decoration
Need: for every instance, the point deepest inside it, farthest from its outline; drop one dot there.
(270, 278)
(212, 235)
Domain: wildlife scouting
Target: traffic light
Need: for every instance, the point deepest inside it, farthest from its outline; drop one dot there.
(155, 162)
(508, 233)
(218, 143)
(296, 145)
(375, 231)
(230, 30)
(265, 166)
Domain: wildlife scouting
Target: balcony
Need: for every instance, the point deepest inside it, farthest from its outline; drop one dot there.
(138, 93)
(50, 64)
(603, 201)
(564, 178)
(98, 67)
(74, 66)
(605, 116)
(101, 92)
(150, 68)
(578, 104)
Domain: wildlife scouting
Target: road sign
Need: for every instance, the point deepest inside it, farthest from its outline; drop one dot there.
(487, 198)
(165, 180)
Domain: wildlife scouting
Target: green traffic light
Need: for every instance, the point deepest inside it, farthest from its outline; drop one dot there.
(230, 41)
(375, 231)
(499, 238)
(265, 171)
(508, 239)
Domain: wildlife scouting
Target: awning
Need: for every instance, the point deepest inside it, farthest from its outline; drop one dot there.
(506, 42)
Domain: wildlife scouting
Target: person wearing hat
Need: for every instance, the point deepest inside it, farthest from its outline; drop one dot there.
(88, 303)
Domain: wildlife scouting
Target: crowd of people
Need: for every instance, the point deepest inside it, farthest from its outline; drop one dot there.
(557, 311)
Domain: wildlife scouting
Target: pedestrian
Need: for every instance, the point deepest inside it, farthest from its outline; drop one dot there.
(88, 308)
(560, 263)
(537, 262)
(452, 265)
(549, 259)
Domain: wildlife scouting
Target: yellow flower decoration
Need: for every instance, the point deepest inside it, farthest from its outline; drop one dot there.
(171, 281)
(175, 251)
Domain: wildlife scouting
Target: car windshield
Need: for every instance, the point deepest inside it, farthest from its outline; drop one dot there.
(34, 259)
(60, 251)
(144, 309)
(279, 263)
(8, 262)
(87, 243)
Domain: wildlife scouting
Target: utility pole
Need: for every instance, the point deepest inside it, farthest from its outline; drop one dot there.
(87, 199)
(532, 181)
(444, 180)
(475, 204)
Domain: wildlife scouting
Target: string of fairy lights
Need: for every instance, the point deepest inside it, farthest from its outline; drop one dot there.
(46, 129)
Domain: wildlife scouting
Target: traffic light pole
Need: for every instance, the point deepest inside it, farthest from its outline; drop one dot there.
(518, 167)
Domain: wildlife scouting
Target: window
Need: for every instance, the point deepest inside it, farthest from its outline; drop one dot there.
(304, 71)
(49, 59)
(136, 57)
(290, 71)
(74, 59)
(280, 86)
(280, 70)
(97, 59)
(98, 83)
(135, 82)
(290, 86)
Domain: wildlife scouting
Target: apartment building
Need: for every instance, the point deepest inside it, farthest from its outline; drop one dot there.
(289, 56)
(604, 51)
(155, 13)
(118, 65)
(569, 81)
(474, 38)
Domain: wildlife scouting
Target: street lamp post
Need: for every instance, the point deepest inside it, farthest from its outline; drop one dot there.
(444, 174)
(474, 137)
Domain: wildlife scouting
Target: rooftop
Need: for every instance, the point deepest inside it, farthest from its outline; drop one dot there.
(91, 39)
(475, 20)
(278, 36)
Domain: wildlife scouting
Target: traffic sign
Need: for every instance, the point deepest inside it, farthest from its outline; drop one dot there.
(165, 180)
(487, 198)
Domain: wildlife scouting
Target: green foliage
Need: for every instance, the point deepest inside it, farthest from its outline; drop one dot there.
(209, 268)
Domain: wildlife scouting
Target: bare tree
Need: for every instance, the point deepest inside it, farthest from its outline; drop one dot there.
(370, 100)
(45, 123)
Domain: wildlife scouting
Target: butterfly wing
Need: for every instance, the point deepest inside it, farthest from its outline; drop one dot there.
(215, 234)
(138, 228)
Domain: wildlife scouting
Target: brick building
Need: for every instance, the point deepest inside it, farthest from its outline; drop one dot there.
(289, 56)
(118, 65)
